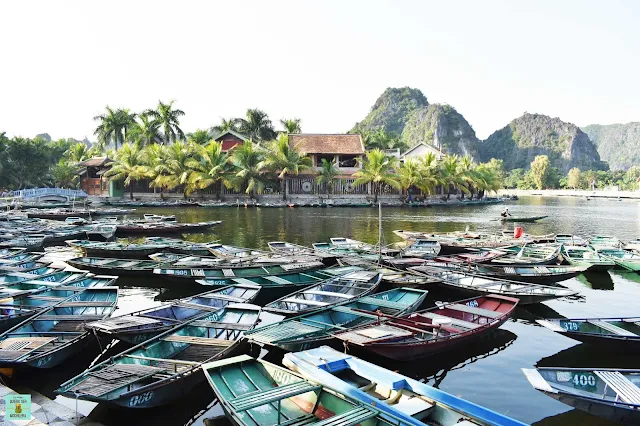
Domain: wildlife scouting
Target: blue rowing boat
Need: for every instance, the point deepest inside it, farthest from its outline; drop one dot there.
(316, 328)
(18, 308)
(168, 366)
(414, 402)
(55, 334)
(140, 326)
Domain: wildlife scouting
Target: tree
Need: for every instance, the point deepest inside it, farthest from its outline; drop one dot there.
(573, 178)
(77, 153)
(65, 174)
(409, 174)
(169, 120)
(378, 169)
(225, 126)
(429, 173)
(291, 125)
(113, 126)
(487, 178)
(450, 175)
(540, 171)
(327, 174)
(200, 137)
(128, 166)
(513, 178)
(210, 166)
(146, 131)
(156, 166)
(177, 171)
(248, 159)
(286, 159)
(256, 125)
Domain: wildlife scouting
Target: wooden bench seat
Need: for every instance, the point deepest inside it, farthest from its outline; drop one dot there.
(198, 340)
(260, 397)
(627, 390)
(475, 311)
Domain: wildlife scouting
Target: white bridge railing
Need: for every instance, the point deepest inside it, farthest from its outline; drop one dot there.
(43, 192)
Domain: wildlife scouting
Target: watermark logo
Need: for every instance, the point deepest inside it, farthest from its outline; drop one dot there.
(17, 407)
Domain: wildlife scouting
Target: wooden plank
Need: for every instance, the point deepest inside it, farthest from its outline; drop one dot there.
(260, 397)
(198, 340)
(613, 329)
(175, 361)
(304, 302)
(476, 311)
(625, 388)
(329, 293)
(84, 304)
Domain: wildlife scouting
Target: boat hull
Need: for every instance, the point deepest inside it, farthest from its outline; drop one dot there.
(53, 358)
(616, 343)
(525, 299)
(598, 408)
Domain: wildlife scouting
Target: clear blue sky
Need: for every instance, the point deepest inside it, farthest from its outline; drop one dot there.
(323, 61)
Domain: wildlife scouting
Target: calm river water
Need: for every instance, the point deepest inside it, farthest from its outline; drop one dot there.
(487, 373)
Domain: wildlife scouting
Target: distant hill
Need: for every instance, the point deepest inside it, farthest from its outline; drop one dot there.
(391, 110)
(618, 144)
(441, 126)
(535, 134)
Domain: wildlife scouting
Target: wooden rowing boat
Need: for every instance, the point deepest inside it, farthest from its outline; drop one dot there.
(20, 307)
(580, 256)
(543, 274)
(334, 290)
(432, 331)
(391, 276)
(316, 328)
(608, 393)
(360, 246)
(478, 285)
(624, 259)
(23, 266)
(116, 250)
(601, 241)
(284, 247)
(529, 219)
(16, 277)
(255, 392)
(619, 334)
(412, 402)
(167, 367)
(233, 271)
(278, 285)
(137, 327)
(424, 248)
(570, 240)
(112, 266)
(53, 335)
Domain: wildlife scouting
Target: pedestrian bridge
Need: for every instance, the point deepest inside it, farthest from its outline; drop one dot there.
(46, 194)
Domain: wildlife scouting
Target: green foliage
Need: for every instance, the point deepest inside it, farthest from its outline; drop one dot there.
(573, 178)
(292, 125)
(225, 125)
(168, 119)
(381, 139)
(128, 166)
(200, 137)
(513, 178)
(327, 174)
(210, 166)
(250, 173)
(286, 159)
(113, 126)
(378, 169)
(256, 125)
(540, 171)
(145, 132)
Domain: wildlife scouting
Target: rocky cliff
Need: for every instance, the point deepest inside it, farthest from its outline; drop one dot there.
(534, 134)
(618, 144)
(391, 110)
(441, 126)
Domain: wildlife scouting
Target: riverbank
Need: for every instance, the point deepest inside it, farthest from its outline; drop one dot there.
(570, 193)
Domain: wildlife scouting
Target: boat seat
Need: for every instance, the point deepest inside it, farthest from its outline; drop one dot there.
(224, 297)
(46, 298)
(614, 329)
(69, 318)
(305, 302)
(83, 304)
(346, 310)
(413, 406)
(228, 273)
(300, 421)
(243, 281)
(475, 311)
(197, 306)
(627, 390)
(383, 303)
(193, 340)
(329, 293)
(454, 322)
(260, 397)
(287, 330)
(352, 417)
(277, 280)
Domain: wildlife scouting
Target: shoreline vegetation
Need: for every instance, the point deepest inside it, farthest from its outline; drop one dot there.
(580, 193)
(150, 149)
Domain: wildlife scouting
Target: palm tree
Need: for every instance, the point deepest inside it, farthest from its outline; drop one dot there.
(378, 169)
(225, 126)
(256, 126)
(113, 126)
(146, 131)
(486, 179)
(286, 159)
(156, 166)
(169, 120)
(409, 174)
(200, 137)
(178, 171)
(64, 174)
(327, 174)
(291, 125)
(466, 173)
(248, 159)
(210, 166)
(450, 175)
(77, 153)
(429, 174)
(128, 165)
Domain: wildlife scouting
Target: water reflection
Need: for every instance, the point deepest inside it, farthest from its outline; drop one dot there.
(596, 280)
(589, 356)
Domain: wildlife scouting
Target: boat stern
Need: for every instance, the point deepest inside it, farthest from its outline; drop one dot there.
(537, 381)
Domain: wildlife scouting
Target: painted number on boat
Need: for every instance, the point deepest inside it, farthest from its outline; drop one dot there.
(385, 297)
(582, 380)
(143, 398)
(570, 325)
(473, 303)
